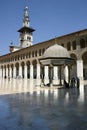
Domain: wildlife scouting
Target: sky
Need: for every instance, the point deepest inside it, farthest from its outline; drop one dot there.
(50, 19)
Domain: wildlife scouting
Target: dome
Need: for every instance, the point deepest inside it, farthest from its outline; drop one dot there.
(56, 51)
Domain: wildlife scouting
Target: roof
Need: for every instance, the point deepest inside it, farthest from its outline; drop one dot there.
(28, 29)
(56, 51)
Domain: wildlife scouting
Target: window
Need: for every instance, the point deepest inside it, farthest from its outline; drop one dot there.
(28, 38)
(35, 53)
(26, 55)
(43, 50)
(82, 43)
(32, 53)
(68, 46)
(29, 54)
(40, 52)
(86, 43)
(74, 45)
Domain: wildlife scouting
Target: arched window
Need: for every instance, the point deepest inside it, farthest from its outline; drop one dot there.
(26, 55)
(68, 46)
(82, 43)
(23, 56)
(86, 43)
(74, 45)
(35, 53)
(43, 50)
(29, 54)
(18, 57)
(40, 52)
(28, 38)
(32, 53)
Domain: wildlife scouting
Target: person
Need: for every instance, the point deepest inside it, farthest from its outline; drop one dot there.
(78, 82)
(73, 82)
(66, 84)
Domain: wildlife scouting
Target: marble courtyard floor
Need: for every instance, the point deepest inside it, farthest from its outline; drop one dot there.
(24, 105)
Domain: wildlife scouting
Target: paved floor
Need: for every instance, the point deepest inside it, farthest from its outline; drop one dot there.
(24, 106)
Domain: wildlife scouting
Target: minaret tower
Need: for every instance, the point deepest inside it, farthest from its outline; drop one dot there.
(26, 32)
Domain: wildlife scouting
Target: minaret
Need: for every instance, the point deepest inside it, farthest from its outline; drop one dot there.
(26, 32)
(26, 20)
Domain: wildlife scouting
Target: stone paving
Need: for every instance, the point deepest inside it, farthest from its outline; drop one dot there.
(25, 106)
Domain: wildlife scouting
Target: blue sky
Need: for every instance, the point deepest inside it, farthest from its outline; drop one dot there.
(50, 18)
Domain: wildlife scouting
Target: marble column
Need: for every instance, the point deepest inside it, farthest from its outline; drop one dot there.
(55, 73)
(31, 71)
(10, 73)
(14, 71)
(25, 71)
(80, 69)
(66, 73)
(3, 72)
(20, 70)
(46, 75)
(38, 71)
(6, 71)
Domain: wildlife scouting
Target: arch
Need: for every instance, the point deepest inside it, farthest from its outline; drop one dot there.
(28, 69)
(22, 65)
(82, 43)
(12, 70)
(17, 69)
(34, 62)
(84, 58)
(73, 55)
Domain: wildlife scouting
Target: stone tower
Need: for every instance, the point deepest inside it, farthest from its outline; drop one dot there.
(26, 32)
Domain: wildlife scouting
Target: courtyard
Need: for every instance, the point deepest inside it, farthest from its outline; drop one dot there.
(24, 105)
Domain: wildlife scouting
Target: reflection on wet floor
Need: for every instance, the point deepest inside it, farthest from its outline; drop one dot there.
(17, 85)
(26, 106)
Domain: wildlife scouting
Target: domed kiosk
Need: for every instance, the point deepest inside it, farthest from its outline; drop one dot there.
(57, 55)
(56, 51)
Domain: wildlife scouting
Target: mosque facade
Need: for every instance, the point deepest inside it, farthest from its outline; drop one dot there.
(23, 61)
